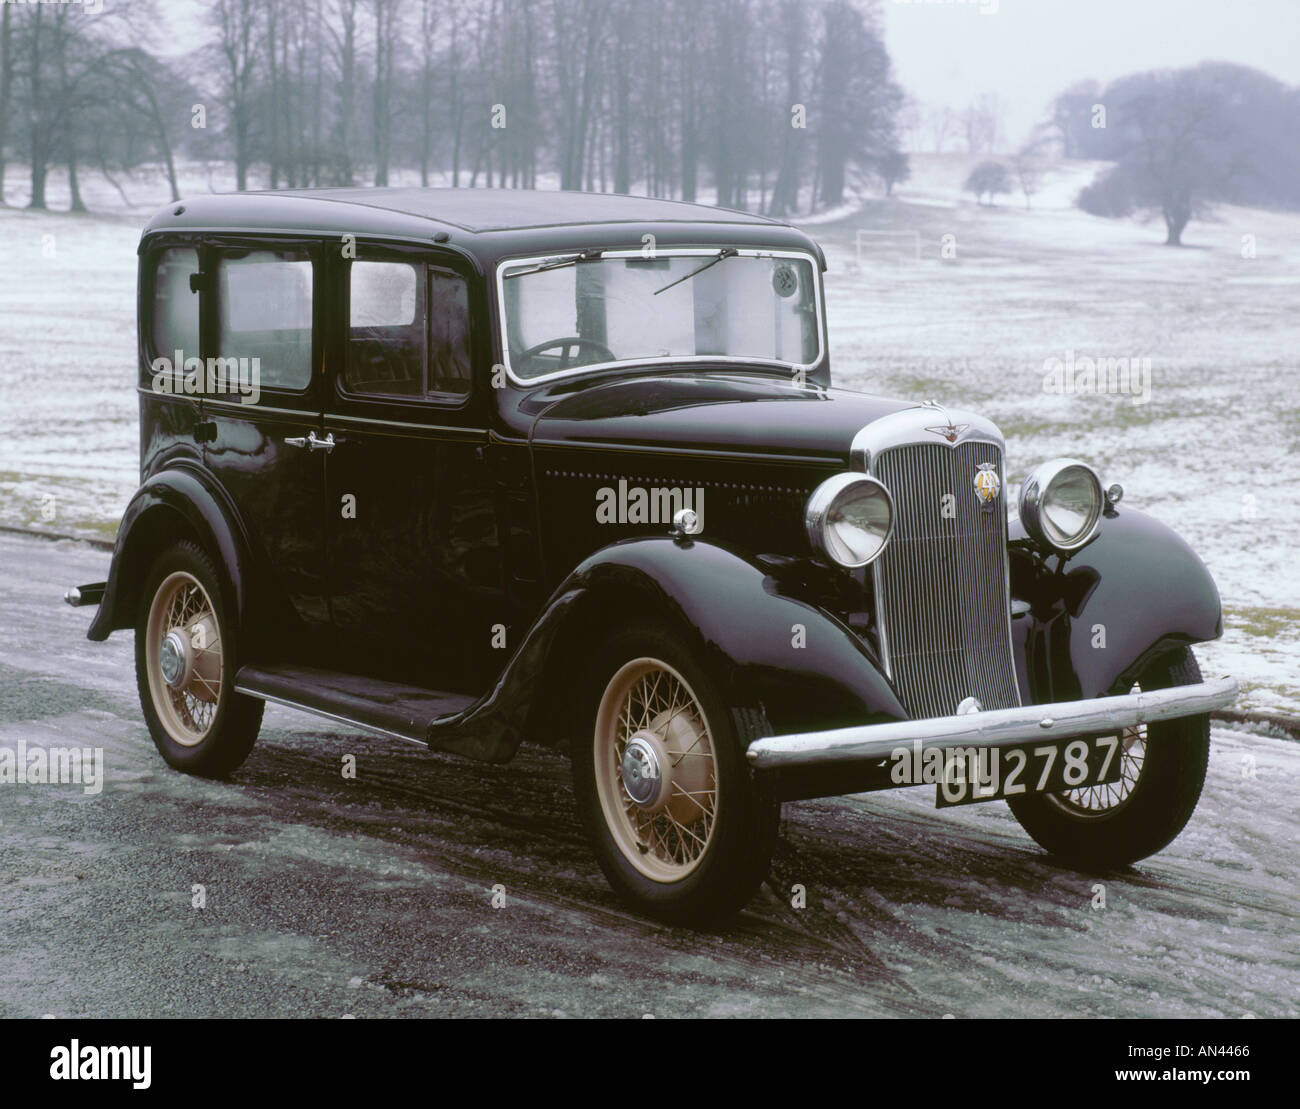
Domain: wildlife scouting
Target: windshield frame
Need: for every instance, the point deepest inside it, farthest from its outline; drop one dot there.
(701, 252)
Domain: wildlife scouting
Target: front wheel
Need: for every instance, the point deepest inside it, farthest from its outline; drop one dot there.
(1162, 772)
(185, 666)
(679, 826)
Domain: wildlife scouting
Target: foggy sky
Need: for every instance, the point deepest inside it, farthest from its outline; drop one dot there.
(1028, 50)
(949, 51)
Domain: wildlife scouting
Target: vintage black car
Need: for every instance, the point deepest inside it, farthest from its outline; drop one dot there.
(470, 467)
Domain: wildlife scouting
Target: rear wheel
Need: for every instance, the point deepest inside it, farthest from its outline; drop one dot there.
(1162, 772)
(678, 824)
(185, 666)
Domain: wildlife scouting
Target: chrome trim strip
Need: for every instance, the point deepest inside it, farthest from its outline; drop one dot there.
(637, 363)
(996, 728)
(252, 691)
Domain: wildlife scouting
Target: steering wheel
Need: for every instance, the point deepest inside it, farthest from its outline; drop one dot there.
(567, 344)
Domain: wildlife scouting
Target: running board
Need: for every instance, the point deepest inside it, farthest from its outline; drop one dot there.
(398, 711)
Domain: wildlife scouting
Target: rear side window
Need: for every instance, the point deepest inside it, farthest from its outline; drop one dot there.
(175, 311)
(265, 312)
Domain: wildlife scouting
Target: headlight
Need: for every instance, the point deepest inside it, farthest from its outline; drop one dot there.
(849, 518)
(1061, 503)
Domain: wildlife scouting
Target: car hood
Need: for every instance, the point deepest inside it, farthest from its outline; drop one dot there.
(715, 413)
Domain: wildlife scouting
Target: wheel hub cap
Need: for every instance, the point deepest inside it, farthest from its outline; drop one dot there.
(642, 770)
(174, 659)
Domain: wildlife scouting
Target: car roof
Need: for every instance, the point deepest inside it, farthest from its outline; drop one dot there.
(486, 223)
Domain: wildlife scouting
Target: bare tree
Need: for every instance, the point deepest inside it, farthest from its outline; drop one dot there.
(858, 100)
(988, 179)
(6, 86)
(893, 167)
(794, 35)
(137, 77)
(578, 30)
(236, 21)
(344, 44)
(982, 123)
(1180, 151)
(381, 91)
(1071, 119)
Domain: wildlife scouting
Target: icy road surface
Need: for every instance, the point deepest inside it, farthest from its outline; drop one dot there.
(374, 897)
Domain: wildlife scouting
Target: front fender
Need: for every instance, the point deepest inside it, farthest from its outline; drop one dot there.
(171, 504)
(1096, 618)
(765, 646)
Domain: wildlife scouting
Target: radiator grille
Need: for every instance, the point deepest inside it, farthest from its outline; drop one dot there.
(941, 584)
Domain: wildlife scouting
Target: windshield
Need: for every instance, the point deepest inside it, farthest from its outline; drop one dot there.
(565, 312)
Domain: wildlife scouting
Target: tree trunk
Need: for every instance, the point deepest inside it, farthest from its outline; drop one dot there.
(74, 186)
(39, 155)
(1177, 212)
(38, 174)
(273, 155)
(383, 61)
(6, 83)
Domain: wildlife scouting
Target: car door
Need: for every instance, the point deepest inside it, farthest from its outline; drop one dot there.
(262, 419)
(411, 522)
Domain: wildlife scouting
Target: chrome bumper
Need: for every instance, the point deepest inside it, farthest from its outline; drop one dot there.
(80, 595)
(996, 728)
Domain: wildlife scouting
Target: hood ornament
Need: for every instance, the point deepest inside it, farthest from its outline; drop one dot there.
(950, 431)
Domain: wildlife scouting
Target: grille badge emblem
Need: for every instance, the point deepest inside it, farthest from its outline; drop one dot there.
(987, 484)
(949, 431)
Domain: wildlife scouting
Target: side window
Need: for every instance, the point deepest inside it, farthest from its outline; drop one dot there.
(387, 346)
(408, 331)
(265, 312)
(174, 313)
(449, 360)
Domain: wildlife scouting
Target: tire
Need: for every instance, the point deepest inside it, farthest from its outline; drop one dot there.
(1097, 829)
(701, 846)
(201, 725)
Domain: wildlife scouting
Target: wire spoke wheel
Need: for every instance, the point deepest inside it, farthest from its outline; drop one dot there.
(1161, 772)
(656, 770)
(1106, 797)
(183, 658)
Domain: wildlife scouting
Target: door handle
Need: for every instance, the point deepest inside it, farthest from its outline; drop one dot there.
(312, 443)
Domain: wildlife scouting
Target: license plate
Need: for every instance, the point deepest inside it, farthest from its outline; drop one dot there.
(973, 774)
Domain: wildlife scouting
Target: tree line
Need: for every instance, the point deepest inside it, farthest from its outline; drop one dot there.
(767, 104)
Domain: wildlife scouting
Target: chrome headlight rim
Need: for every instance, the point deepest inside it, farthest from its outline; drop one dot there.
(823, 499)
(1034, 493)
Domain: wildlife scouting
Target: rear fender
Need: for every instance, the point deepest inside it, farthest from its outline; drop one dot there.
(173, 504)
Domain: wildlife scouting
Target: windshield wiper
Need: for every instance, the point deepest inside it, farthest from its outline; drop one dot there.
(725, 252)
(559, 263)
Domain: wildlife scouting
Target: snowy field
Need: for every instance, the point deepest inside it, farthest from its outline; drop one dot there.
(1209, 445)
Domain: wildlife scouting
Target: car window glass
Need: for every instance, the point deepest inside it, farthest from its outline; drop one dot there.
(387, 341)
(266, 313)
(740, 306)
(175, 309)
(449, 357)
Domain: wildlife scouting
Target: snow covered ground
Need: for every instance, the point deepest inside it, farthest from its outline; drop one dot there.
(1209, 444)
